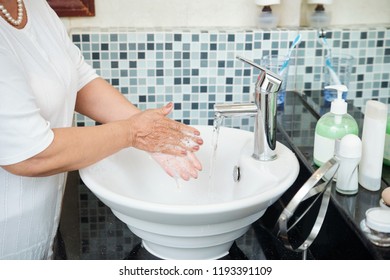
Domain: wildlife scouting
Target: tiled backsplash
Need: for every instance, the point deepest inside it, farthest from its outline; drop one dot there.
(197, 68)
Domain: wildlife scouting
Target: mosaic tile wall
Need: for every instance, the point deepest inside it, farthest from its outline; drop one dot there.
(197, 68)
(370, 48)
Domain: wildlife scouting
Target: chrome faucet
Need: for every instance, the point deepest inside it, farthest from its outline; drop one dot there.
(264, 110)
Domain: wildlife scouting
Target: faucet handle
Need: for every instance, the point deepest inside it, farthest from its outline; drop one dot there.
(268, 81)
(251, 63)
(261, 68)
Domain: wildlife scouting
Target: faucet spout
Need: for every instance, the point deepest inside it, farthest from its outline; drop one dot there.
(230, 110)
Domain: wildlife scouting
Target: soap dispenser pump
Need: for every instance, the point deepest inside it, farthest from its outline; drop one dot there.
(332, 126)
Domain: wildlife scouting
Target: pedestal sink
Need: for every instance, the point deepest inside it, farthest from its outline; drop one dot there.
(198, 219)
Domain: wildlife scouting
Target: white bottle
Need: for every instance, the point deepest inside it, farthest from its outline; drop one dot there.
(349, 154)
(373, 143)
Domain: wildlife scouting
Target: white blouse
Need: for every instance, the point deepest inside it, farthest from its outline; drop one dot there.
(41, 71)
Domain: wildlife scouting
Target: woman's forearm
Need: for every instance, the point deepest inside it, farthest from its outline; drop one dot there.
(77, 147)
(74, 148)
(123, 126)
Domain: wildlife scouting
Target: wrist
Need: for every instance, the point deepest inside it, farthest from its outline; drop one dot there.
(122, 132)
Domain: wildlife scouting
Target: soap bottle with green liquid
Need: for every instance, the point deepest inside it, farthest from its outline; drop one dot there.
(332, 126)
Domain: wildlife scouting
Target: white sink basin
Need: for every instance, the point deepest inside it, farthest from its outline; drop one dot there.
(194, 219)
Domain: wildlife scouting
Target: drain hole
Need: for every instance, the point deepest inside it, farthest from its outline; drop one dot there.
(236, 174)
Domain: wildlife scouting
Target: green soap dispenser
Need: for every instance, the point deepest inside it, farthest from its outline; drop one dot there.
(332, 126)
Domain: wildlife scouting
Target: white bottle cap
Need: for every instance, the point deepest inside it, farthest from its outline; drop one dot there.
(376, 110)
(350, 146)
(338, 106)
(378, 219)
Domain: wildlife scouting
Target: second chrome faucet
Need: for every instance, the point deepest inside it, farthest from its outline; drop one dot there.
(264, 110)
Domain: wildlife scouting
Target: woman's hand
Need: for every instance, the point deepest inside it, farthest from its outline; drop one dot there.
(179, 166)
(153, 132)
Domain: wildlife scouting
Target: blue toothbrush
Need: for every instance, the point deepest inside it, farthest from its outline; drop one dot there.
(328, 63)
(333, 75)
(296, 41)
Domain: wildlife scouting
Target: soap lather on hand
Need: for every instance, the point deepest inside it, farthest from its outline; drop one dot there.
(179, 166)
(185, 167)
(170, 143)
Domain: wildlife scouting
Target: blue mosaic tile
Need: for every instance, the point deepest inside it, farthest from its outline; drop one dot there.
(197, 68)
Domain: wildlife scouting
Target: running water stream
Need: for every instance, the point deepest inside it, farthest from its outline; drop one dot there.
(218, 119)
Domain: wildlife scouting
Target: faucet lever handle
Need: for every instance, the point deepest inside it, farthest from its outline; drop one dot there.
(268, 81)
(261, 68)
(251, 63)
(276, 77)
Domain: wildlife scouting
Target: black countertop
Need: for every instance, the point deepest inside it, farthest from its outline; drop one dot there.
(89, 230)
(297, 122)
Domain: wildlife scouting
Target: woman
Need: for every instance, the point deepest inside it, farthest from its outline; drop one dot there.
(43, 79)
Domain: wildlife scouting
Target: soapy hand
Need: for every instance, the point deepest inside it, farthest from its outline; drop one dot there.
(153, 132)
(179, 166)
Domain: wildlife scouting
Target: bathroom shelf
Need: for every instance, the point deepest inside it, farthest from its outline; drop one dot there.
(296, 123)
